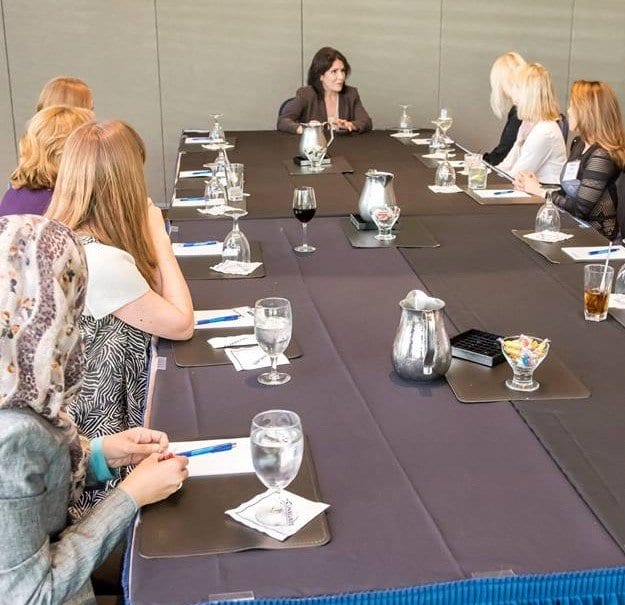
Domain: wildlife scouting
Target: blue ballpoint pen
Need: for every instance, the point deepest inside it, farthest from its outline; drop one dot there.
(191, 199)
(211, 449)
(192, 244)
(214, 320)
(505, 192)
(201, 172)
(604, 250)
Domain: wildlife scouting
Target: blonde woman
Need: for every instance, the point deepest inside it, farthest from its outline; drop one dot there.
(539, 146)
(65, 90)
(41, 146)
(587, 181)
(135, 288)
(502, 76)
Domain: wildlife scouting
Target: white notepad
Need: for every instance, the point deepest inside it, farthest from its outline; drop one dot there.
(581, 253)
(499, 193)
(236, 461)
(197, 249)
(245, 318)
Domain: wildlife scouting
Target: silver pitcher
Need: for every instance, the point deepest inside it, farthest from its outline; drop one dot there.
(421, 350)
(377, 191)
(313, 137)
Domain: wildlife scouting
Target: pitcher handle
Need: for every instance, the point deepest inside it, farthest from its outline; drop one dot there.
(429, 338)
(331, 134)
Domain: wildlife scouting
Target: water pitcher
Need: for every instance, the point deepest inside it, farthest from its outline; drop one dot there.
(377, 191)
(313, 137)
(421, 350)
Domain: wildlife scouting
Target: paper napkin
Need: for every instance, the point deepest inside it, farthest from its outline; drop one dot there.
(242, 340)
(548, 236)
(437, 156)
(438, 189)
(252, 358)
(304, 511)
(215, 210)
(235, 267)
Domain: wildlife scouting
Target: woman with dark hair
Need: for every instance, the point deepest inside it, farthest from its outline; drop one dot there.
(326, 98)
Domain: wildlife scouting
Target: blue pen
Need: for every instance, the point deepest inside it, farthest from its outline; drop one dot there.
(211, 449)
(603, 251)
(214, 320)
(201, 172)
(505, 192)
(191, 199)
(192, 244)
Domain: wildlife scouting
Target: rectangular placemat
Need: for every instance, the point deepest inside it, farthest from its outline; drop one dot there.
(192, 521)
(411, 235)
(196, 351)
(199, 267)
(553, 251)
(339, 165)
(504, 200)
(617, 315)
(195, 160)
(474, 383)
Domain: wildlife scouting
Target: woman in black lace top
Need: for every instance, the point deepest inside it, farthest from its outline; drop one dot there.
(597, 158)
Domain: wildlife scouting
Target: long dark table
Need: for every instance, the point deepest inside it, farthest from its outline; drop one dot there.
(423, 489)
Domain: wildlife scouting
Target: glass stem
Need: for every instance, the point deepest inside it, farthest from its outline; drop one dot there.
(305, 235)
(235, 222)
(274, 365)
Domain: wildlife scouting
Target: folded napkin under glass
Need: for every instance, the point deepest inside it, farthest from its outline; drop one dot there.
(219, 210)
(252, 358)
(306, 511)
(548, 236)
(235, 267)
(439, 189)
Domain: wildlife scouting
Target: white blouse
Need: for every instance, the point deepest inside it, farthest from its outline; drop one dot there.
(114, 280)
(543, 152)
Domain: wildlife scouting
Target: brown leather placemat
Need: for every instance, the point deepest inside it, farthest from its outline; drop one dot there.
(504, 200)
(199, 267)
(339, 165)
(196, 352)
(411, 235)
(474, 383)
(553, 251)
(192, 521)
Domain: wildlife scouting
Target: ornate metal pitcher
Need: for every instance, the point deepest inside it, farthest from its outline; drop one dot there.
(313, 137)
(377, 191)
(421, 350)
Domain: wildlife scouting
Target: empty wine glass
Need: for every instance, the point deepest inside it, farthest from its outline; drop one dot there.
(277, 444)
(214, 193)
(437, 141)
(272, 328)
(217, 133)
(445, 173)
(385, 218)
(304, 207)
(236, 247)
(444, 122)
(548, 217)
(405, 121)
(220, 166)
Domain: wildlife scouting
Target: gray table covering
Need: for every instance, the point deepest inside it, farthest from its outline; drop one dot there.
(422, 488)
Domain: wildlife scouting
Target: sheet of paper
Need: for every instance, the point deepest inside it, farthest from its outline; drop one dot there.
(404, 135)
(439, 189)
(501, 193)
(197, 140)
(236, 461)
(582, 253)
(245, 318)
(188, 202)
(197, 249)
(194, 174)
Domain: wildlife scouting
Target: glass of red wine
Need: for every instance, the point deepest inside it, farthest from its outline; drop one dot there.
(304, 206)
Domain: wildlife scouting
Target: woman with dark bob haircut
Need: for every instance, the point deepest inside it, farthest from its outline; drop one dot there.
(326, 98)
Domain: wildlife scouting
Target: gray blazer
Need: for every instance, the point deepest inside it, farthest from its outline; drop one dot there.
(42, 560)
(307, 106)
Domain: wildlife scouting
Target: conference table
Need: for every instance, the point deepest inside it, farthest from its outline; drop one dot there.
(431, 500)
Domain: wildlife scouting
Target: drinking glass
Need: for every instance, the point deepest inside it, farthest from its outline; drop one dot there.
(597, 288)
(214, 193)
(236, 181)
(478, 174)
(277, 443)
(273, 323)
(437, 141)
(217, 133)
(469, 159)
(619, 286)
(220, 166)
(385, 218)
(444, 122)
(524, 354)
(445, 173)
(236, 247)
(304, 206)
(314, 154)
(548, 217)
(405, 121)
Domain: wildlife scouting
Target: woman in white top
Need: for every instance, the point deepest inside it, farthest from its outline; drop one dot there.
(539, 146)
(135, 287)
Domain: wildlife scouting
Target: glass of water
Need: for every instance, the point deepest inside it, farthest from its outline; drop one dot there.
(217, 133)
(235, 174)
(273, 322)
(277, 444)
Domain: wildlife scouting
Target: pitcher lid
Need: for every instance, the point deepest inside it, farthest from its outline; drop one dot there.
(417, 300)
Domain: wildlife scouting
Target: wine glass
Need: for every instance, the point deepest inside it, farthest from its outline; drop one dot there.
(236, 247)
(385, 218)
(445, 173)
(304, 206)
(217, 133)
(272, 327)
(548, 217)
(405, 121)
(214, 193)
(437, 141)
(277, 443)
(444, 122)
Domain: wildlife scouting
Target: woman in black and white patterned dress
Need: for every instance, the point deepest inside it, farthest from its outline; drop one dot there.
(135, 288)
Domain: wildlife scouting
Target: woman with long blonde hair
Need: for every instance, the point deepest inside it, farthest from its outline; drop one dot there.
(41, 147)
(540, 145)
(135, 288)
(597, 158)
(65, 90)
(502, 76)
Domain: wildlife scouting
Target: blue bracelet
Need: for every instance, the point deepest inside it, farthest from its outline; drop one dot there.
(99, 468)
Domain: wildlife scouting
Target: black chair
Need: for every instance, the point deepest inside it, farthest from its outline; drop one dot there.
(620, 203)
(284, 105)
(563, 123)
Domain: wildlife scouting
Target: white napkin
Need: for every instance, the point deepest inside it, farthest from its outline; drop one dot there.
(617, 301)
(235, 267)
(457, 163)
(306, 511)
(242, 340)
(216, 146)
(197, 249)
(252, 358)
(548, 236)
(421, 141)
(215, 210)
(404, 135)
(437, 156)
(438, 189)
